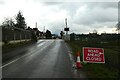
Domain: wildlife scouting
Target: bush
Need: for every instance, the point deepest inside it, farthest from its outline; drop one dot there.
(6, 42)
(34, 37)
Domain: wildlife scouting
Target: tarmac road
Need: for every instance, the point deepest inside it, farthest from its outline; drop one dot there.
(45, 59)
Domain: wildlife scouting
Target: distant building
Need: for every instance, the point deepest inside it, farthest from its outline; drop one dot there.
(38, 33)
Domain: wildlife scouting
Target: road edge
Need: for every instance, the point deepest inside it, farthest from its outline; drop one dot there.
(78, 72)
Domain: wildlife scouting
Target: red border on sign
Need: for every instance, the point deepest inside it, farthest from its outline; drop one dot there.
(92, 61)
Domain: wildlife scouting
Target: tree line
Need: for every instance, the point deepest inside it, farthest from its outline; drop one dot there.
(20, 26)
(20, 22)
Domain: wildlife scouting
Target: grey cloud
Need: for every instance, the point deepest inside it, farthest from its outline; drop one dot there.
(52, 3)
(103, 4)
(80, 29)
(2, 2)
(103, 9)
(96, 15)
(78, 0)
(56, 27)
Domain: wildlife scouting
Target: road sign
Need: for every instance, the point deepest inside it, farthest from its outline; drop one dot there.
(66, 29)
(93, 55)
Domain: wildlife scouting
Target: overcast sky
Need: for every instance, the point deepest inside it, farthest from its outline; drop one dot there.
(83, 17)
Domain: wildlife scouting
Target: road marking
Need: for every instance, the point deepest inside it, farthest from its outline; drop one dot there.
(20, 57)
(9, 63)
(13, 61)
(41, 44)
(17, 58)
(69, 53)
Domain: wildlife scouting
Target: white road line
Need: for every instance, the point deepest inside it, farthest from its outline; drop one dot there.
(18, 59)
(9, 63)
(41, 44)
(13, 61)
(69, 53)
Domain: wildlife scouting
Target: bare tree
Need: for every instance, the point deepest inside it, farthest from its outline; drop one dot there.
(118, 27)
(8, 23)
(95, 31)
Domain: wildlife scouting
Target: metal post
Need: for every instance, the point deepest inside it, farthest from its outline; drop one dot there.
(66, 26)
(14, 36)
(20, 36)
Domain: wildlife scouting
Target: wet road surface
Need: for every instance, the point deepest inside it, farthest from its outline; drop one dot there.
(45, 59)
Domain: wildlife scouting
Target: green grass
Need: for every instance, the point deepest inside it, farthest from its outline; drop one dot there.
(98, 70)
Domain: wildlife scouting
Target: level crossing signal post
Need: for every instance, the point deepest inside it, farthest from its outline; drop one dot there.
(67, 37)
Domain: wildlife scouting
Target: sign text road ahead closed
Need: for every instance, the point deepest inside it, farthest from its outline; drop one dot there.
(94, 55)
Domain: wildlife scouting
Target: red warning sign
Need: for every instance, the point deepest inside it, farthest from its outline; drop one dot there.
(94, 55)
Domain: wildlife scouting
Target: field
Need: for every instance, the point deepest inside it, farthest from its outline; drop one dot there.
(99, 70)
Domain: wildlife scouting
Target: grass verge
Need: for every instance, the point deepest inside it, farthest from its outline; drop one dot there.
(8, 47)
(96, 70)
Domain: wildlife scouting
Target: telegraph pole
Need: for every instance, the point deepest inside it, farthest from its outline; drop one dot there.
(44, 29)
(66, 26)
(36, 25)
(44, 32)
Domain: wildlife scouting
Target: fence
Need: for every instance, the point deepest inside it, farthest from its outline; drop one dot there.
(95, 37)
(13, 34)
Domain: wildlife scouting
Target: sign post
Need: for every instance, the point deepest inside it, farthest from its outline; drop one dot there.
(93, 55)
(67, 37)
